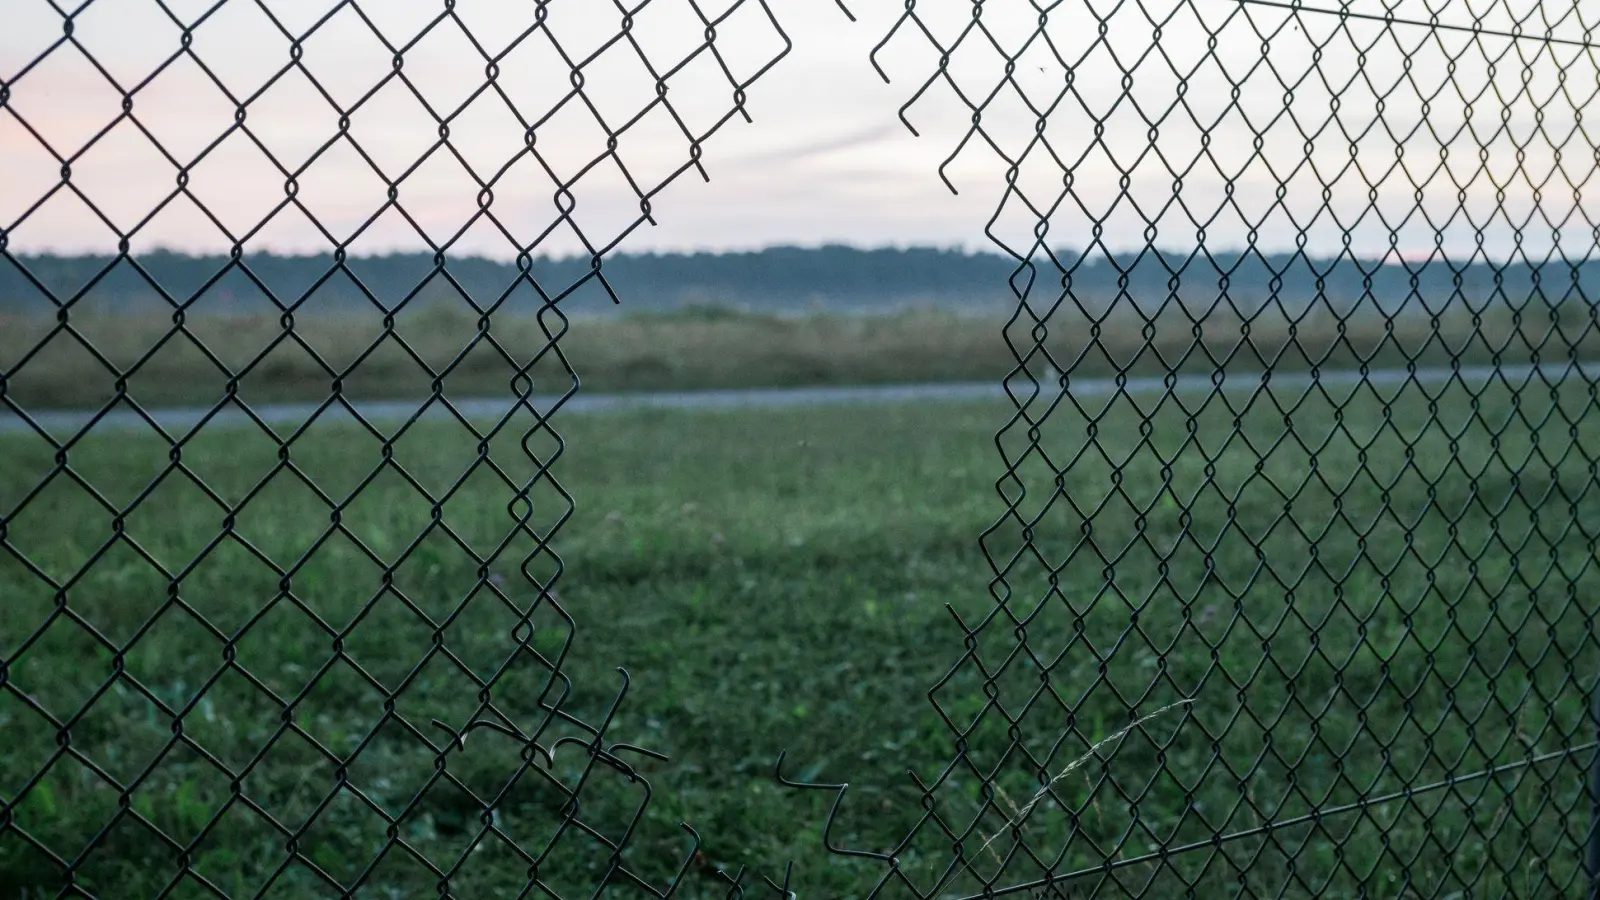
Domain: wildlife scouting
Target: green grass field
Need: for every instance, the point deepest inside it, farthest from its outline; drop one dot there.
(1355, 597)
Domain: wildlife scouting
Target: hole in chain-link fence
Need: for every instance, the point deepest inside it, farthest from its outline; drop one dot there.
(1298, 600)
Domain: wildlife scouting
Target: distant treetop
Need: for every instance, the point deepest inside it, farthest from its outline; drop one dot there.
(778, 279)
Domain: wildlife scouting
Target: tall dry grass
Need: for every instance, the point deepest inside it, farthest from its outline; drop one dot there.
(47, 364)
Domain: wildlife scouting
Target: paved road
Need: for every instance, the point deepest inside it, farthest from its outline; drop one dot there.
(62, 423)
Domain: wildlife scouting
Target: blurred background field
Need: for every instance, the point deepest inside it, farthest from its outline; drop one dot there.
(54, 366)
(295, 328)
(1361, 588)
(1359, 592)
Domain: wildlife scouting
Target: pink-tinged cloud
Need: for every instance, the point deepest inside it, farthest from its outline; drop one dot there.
(1173, 153)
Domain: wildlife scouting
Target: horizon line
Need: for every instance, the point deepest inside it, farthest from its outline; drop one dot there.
(1393, 256)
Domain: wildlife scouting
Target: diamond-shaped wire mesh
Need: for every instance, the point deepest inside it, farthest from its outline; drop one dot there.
(347, 725)
(1228, 681)
(1326, 627)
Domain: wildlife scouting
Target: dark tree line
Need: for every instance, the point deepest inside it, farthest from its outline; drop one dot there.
(776, 279)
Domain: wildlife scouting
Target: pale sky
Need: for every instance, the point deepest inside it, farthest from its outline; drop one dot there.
(826, 158)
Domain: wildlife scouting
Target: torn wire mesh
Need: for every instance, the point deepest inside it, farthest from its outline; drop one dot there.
(1206, 663)
(339, 723)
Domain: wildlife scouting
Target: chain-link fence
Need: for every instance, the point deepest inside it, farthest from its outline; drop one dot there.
(1299, 602)
(297, 737)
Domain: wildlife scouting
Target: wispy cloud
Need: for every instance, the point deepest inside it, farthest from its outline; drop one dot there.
(783, 155)
(826, 158)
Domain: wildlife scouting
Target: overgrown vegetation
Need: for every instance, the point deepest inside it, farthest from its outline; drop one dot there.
(49, 366)
(1355, 600)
